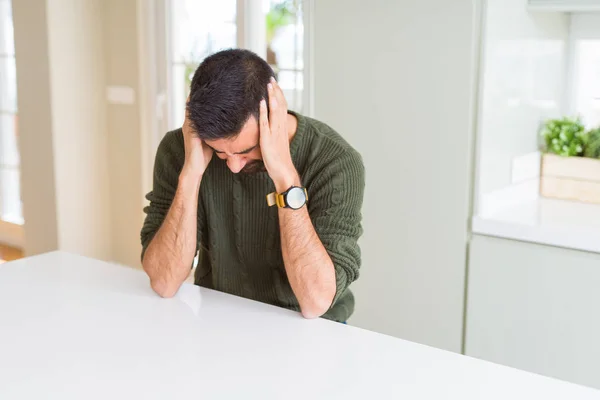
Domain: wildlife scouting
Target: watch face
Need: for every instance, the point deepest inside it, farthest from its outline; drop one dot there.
(295, 198)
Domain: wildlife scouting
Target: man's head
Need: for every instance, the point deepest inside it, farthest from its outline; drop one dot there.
(224, 104)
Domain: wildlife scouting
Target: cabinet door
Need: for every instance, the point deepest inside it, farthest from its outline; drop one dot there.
(535, 308)
(564, 5)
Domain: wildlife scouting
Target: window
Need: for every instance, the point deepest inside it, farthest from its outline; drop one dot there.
(586, 82)
(198, 28)
(584, 60)
(10, 190)
(285, 48)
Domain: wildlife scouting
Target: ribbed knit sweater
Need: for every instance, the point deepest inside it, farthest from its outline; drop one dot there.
(238, 234)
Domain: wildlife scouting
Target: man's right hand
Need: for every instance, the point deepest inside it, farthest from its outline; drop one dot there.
(197, 154)
(171, 251)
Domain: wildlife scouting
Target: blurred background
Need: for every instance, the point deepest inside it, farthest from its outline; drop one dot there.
(477, 121)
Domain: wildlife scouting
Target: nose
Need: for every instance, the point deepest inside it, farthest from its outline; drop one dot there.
(236, 164)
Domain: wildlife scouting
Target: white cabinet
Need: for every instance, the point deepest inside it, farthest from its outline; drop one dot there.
(564, 5)
(395, 78)
(535, 308)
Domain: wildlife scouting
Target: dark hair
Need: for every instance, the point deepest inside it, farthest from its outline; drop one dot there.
(226, 90)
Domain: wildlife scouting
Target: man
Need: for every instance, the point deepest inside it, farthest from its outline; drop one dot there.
(295, 248)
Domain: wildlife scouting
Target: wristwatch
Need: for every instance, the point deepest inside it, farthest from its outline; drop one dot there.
(294, 198)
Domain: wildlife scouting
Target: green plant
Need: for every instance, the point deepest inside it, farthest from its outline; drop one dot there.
(565, 137)
(190, 68)
(592, 150)
(280, 15)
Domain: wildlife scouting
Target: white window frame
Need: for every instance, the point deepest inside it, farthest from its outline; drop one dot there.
(308, 102)
(11, 234)
(152, 52)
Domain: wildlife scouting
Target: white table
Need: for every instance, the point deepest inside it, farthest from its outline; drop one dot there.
(76, 328)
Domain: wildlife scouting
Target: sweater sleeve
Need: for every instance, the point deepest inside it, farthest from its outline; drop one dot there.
(168, 163)
(335, 203)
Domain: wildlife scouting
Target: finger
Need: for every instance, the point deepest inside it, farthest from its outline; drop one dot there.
(186, 119)
(186, 127)
(274, 116)
(281, 112)
(263, 119)
(279, 94)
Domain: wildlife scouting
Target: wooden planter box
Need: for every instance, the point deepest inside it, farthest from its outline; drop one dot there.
(570, 178)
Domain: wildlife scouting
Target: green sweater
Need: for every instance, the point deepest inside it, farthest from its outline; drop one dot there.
(238, 234)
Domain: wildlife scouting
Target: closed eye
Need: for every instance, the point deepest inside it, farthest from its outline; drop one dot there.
(248, 150)
(238, 153)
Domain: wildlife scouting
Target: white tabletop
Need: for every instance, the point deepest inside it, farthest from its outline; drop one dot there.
(76, 328)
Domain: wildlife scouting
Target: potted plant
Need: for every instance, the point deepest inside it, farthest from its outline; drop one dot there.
(592, 149)
(570, 165)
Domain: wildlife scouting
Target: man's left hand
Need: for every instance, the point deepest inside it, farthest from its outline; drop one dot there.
(275, 140)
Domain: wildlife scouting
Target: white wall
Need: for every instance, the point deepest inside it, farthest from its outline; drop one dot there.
(397, 80)
(81, 158)
(522, 84)
(535, 308)
(124, 132)
(62, 135)
(75, 45)
(38, 190)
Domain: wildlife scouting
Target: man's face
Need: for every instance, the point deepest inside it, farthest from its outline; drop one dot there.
(241, 152)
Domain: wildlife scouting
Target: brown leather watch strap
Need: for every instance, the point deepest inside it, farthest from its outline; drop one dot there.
(275, 199)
